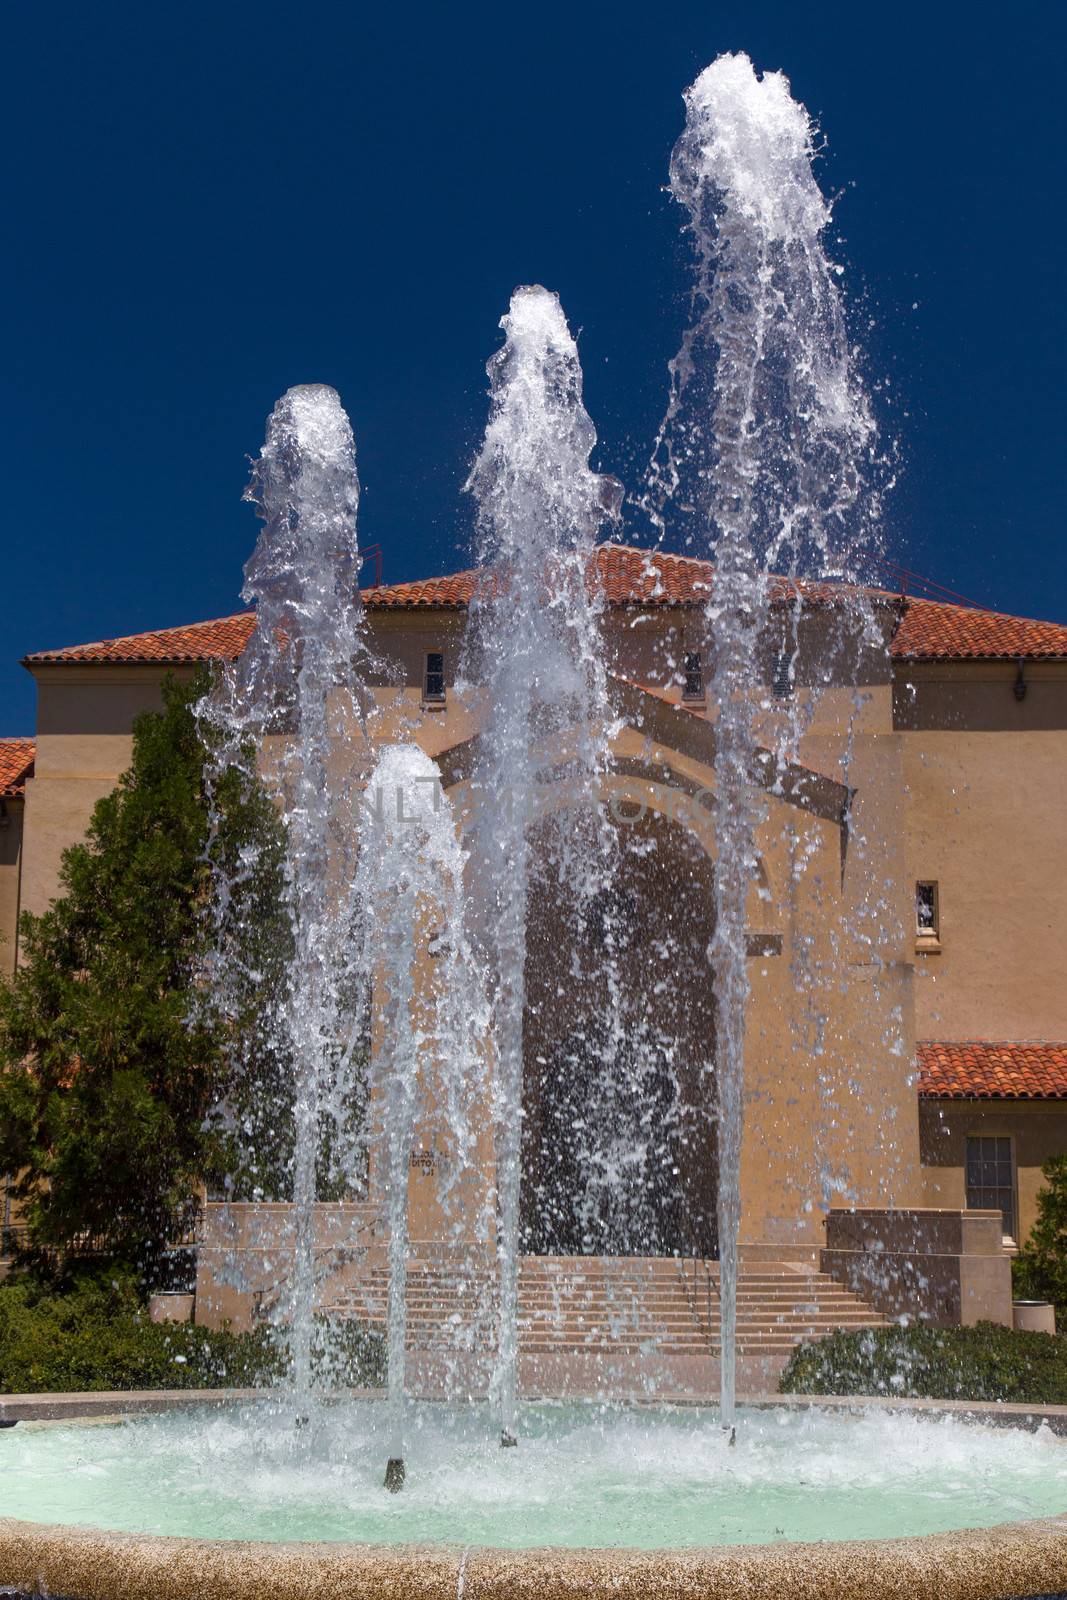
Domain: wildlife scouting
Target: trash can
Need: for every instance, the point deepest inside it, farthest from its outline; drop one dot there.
(1034, 1316)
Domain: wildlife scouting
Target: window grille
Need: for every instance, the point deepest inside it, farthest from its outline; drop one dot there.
(433, 681)
(782, 676)
(990, 1177)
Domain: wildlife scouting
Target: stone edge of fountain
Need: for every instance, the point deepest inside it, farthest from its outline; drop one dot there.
(1014, 1559)
(99, 1404)
(999, 1563)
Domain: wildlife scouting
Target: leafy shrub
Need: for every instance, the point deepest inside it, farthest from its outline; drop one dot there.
(97, 1336)
(1039, 1271)
(347, 1355)
(986, 1362)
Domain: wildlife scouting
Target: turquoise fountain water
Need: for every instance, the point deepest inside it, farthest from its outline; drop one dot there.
(584, 1476)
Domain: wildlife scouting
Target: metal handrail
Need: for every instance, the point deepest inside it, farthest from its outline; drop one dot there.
(693, 1293)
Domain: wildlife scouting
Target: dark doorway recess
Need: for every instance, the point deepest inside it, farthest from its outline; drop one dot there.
(618, 1105)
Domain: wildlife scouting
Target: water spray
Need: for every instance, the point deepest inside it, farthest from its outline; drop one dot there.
(765, 430)
(535, 648)
(299, 677)
(409, 887)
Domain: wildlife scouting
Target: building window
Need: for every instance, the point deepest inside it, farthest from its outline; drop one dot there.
(990, 1178)
(433, 678)
(782, 675)
(693, 687)
(927, 913)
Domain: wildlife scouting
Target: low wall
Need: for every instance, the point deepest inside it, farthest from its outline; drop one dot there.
(943, 1267)
(245, 1257)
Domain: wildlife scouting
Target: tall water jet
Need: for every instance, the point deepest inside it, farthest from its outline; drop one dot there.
(535, 652)
(299, 680)
(409, 890)
(766, 432)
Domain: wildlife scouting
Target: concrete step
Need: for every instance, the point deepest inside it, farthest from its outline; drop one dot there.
(663, 1307)
(615, 1307)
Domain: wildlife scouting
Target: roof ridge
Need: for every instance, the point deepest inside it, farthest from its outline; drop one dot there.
(154, 633)
(101, 650)
(654, 553)
(994, 1044)
(630, 576)
(982, 611)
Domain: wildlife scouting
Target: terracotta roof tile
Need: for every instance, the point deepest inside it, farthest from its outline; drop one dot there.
(452, 592)
(979, 1070)
(221, 640)
(933, 631)
(928, 630)
(632, 577)
(628, 577)
(16, 765)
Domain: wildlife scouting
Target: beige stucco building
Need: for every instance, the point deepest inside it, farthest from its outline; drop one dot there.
(907, 934)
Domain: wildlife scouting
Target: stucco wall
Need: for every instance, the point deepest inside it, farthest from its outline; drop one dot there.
(832, 1117)
(954, 779)
(84, 718)
(986, 787)
(1037, 1128)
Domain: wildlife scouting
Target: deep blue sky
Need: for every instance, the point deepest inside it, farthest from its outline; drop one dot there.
(204, 205)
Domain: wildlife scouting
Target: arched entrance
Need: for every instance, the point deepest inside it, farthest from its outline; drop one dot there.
(619, 1153)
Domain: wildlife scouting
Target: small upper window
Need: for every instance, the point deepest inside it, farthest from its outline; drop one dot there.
(433, 680)
(927, 910)
(693, 688)
(782, 675)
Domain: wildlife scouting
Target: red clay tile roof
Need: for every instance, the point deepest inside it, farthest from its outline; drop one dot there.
(978, 1070)
(628, 577)
(16, 765)
(222, 640)
(451, 593)
(929, 630)
(932, 631)
(632, 577)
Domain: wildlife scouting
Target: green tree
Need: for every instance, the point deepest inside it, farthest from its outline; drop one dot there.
(112, 1051)
(1040, 1269)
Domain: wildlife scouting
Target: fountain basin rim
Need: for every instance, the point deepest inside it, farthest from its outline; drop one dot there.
(1013, 1559)
(84, 1405)
(85, 1563)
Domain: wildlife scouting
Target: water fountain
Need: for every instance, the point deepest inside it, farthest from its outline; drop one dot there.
(535, 652)
(410, 880)
(761, 448)
(300, 683)
(765, 435)
(373, 862)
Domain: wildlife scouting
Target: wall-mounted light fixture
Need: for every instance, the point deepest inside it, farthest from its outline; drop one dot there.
(1019, 686)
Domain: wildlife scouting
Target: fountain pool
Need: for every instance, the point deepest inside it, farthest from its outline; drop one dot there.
(588, 1476)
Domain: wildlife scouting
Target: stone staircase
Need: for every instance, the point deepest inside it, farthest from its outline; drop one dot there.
(614, 1307)
(673, 1306)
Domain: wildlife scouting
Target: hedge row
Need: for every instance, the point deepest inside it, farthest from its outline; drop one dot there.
(97, 1335)
(986, 1362)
